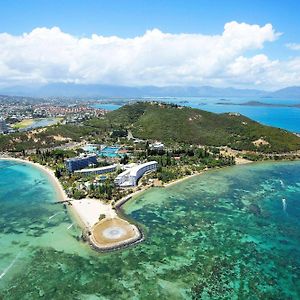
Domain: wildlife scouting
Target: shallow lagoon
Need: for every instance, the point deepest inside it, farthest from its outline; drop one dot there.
(227, 234)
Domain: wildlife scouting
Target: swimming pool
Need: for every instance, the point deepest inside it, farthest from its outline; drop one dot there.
(109, 151)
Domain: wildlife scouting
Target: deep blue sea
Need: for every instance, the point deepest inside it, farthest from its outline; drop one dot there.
(283, 117)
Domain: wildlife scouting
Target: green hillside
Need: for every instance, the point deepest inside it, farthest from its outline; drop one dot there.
(166, 123)
(170, 123)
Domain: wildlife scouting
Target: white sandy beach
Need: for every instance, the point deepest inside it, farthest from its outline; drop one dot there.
(89, 210)
(182, 179)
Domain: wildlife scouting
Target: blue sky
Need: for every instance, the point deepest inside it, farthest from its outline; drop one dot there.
(128, 19)
(132, 17)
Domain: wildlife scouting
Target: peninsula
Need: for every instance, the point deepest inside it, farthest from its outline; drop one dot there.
(100, 163)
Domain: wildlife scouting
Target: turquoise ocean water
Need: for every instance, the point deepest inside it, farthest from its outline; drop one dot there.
(227, 234)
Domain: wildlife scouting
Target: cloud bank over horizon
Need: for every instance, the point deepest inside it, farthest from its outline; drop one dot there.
(49, 55)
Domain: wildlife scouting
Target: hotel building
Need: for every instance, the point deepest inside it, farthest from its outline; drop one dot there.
(131, 176)
(100, 170)
(80, 162)
(3, 126)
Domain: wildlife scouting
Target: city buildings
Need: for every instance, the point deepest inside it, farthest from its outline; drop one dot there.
(15, 109)
(80, 162)
(100, 170)
(131, 176)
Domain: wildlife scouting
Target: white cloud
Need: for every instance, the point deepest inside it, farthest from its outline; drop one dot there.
(246, 70)
(293, 46)
(155, 58)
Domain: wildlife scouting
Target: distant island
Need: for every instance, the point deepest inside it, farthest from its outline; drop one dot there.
(259, 103)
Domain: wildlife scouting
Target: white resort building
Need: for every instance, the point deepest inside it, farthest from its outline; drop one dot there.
(100, 170)
(131, 176)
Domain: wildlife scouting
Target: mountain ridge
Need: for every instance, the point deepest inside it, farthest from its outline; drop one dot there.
(100, 90)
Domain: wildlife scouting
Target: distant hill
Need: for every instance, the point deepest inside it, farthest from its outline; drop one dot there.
(95, 90)
(170, 123)
(100, 90)
(287, 93)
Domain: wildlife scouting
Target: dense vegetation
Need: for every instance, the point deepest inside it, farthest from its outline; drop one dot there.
(183, 161)
(50, 137)
(172, 123)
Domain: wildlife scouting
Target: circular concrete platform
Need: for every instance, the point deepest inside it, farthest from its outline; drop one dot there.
(114, 233)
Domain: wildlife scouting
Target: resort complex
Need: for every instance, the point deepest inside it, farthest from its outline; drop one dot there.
(103, 228)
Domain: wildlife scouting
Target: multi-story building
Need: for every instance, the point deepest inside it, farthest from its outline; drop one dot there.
(100, 170)
(124, 179)
(131, 176)
(80, 162)
(3, 126)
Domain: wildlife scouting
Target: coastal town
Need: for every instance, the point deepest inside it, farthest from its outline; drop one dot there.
(27, 113)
